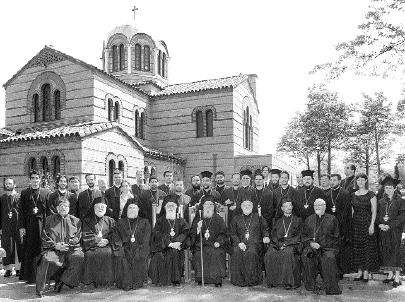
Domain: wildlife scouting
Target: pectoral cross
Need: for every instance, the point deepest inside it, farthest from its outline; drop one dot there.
(134, 10)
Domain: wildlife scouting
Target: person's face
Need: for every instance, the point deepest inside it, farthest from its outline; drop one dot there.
(90, 181)
(334, 181)
(299, 179)
(154, 183)
(208, 209)
(287, 208)
(389, 190)
(307, 181)
(9, 185)
(169, 178)
(275, 178)
(117, 178)
(284, 179)
(196, 182)
(206, 182)
(220, 179)
(236, 180)
(62, 184)
(74, 184)
(171, 208)
(132, 211)
(348, 171)
(247, 207)
(361, 182)
(100, 209)
(35, 181)
(325, 181)
(245, 180)
(319, 208)
(125, 187)
(63, 208)
(102, 185)
(139, 175)
(179, 186)
(265, 172)
(259, 181)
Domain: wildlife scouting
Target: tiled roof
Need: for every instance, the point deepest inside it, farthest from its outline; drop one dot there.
(202, 85)
(82, 130)
(6, 132)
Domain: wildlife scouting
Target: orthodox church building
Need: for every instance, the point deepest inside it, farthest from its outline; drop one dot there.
(66, 116)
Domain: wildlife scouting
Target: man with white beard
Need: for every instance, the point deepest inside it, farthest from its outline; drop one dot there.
(167, 262)
(321, 240)
(211, 232)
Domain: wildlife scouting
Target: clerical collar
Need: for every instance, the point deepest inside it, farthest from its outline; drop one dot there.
(117, 186)
(335, 188)
(220, 186)
(35, 190)
(247, 214)
(178, 193)
(235, 187)
(287, 215)
(207, 190)
(11, 193)
(286, 186)
(91, 188)
(259, 189)
(320, 216)
(62, 192)
(309, 188)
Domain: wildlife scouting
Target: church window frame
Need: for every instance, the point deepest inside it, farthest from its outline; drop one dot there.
(209, 123)
(164, 60)
(115, 60)
(56, 166)
(110, 109)
(57, 104)
(136, 123)
(117, 110)
(142, 126)
(35, 101)
(122, 57)
(199, 117)
(46, 102)
(146, 58)
(138, 57)
(159, 62)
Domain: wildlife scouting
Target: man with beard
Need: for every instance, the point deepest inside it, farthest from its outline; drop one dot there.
(206, 193)
(338, 204)
(32, 214)
(86, 197)
(169, 234)
(195, 186)
(168, 185)
(137, 188)
(245, 192)
(62, 256)
(232, 195)
(275, 177)
(248, 233)
(74, 187)
(321, 238)
(305, 204)
(300, 184)
(349, 183)
(284, 191)
(10, 237)
(220, 186)
(102, 185)
(266, 176)
(264, 200)
(211, 232)
(149, 198)
(60, 193)
(113, 195)
(182, 200)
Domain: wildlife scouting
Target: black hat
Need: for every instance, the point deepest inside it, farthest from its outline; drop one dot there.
(100, 199)
(220, 173)
(308, 173)
(390, 181)
(246, 172)
(207, 174)
(258, 172)
(275, 171)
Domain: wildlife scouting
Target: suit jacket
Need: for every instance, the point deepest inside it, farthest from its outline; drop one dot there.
(85, 202)
(165, 188)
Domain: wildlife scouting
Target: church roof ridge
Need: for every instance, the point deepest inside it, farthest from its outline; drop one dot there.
(4, 131)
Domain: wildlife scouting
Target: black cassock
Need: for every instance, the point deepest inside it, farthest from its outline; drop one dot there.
(391, 213)
(246, 266)
(113, 197)
(232, 194)
(282, 258)
(33, 212)
(147, 199)
(131, 247)
(85, 204)
(280, 194)
(56, 197)
(98, 261)
(213, 230)
(265, 201)
(324, 231)
(10, 238)
(304, 206)
(167, 264)
(338, 203)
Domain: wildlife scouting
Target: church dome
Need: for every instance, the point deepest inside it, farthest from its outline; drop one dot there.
(127, 30)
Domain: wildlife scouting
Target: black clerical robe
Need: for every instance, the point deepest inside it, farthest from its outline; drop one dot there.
(232, 194)
(10, 237)
(85, 202)
(282, 257)
(182, 202)
(113, 195)
(246, 266)
(265, 201)
(245, 193)
(304, 207)
(167, 264)
(131, 247)
(66, 266)
(279, 194)
(165, 188)
(203, 195)
(349, 184)
(136, 190)
(324, 231)
(33, 211)
(56, 197)
(98, 261)
(391, 213)
(147, 199)
(191, 192)
(213, 230)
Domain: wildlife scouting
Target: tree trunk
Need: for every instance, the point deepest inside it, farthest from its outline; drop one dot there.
(308, 166)
(367, 161)
(377, 153)
(329, 156)
(318, 158)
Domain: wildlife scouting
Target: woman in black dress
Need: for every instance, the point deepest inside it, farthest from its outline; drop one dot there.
(365, 252)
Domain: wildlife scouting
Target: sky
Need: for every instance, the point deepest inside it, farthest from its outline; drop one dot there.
(280, 41)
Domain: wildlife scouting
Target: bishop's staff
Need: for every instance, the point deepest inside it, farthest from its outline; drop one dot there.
(201, 252)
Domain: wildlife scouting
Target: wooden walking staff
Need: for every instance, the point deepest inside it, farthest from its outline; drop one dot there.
(201, 253)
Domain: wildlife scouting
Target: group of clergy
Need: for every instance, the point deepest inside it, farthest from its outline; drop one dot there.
(126, 234)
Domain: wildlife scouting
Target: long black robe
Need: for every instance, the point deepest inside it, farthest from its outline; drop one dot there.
(204, 195)
(232, 194)
(136, 190)
(165, 188)
(54, 200)
(265, 201)
(282, 257)
(131, 262)
(390, 241)
(324, 231)
(304, 207)
(349, 184)
(167, 264)
(147, 199)
(213, 258)
(98, 261)
(10, 238)
(191, 192)
(63, 266)
(279, 194)
(113, 195)
(33, 224)
(246, 266)
(85, 202)
(340, 200)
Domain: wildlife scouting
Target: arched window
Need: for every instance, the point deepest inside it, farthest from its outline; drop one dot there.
(121, 165)
(32, 164)
(250, 134)
(111, 168)
(136, 123)
(46, 102)
(114, 58)
(244, 129)
(122, 57)
(153, 171)
(247, 131)
(116, 111)
(44, 165)
(137, 57)
(209, 122)
(146, 58)
(56, 166)
(142, 126)
(35, 100)
(110, 109)
(164, 71)
(56, 100)
(159, 61)
(199, 123)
